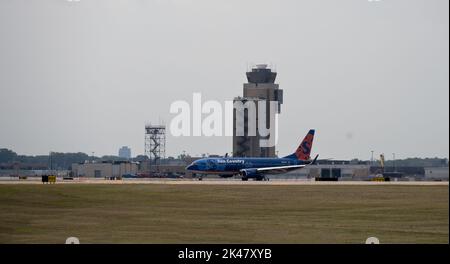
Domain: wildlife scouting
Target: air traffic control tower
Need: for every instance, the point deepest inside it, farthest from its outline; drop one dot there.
(261, 86)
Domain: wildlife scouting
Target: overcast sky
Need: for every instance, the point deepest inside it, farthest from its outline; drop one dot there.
(87, 76)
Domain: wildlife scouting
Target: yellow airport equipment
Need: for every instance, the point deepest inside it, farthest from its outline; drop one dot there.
(52, 179)
(378, 179)
(48, 179)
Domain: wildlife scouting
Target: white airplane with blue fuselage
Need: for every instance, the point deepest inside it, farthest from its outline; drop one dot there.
(256, 168)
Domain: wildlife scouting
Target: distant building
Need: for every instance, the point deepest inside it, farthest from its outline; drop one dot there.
(340, 171)
(104, 169)
(125, 152)
(436, 173)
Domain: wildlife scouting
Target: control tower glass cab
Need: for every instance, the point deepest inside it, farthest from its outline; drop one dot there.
(261, 74)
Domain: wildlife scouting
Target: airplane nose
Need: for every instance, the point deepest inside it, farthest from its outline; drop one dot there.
(192, 167)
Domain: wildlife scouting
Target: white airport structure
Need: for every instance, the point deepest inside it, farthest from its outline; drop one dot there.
(436, 173)
(341, 172)
(104, 169)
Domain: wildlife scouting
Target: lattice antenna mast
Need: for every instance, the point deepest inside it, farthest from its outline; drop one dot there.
(155, 145)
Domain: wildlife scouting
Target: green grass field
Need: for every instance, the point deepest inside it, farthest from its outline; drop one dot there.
(223, 214)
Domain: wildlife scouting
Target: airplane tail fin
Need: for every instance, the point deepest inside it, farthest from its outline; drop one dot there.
(303, 151)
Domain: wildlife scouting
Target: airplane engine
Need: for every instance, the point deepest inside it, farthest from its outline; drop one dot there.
(250, 173)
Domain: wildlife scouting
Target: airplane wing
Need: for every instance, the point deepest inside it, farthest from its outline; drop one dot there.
(283, 169)
(280, 169)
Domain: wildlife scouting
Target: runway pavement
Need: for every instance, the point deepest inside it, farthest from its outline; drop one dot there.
(275, 182)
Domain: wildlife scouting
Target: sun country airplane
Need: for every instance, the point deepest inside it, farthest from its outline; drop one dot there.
(256, 168)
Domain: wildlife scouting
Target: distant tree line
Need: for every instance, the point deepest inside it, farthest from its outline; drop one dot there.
(409, 162)
(64, 161)
(56, 160)
(418, 162)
